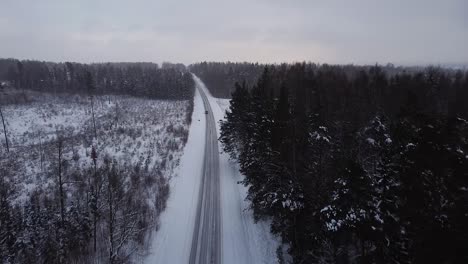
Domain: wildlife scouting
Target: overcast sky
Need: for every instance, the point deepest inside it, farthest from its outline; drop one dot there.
(361, 32)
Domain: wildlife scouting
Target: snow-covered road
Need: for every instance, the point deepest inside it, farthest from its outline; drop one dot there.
(241, 239)
(206, 240)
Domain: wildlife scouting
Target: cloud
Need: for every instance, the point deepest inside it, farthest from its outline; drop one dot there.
(362, 31)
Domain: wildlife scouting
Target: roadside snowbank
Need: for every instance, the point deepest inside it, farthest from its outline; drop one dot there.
(172, 242)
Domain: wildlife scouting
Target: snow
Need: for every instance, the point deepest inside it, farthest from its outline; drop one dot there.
(326, 208)
(378, 218)
(370, 141)
(317, 136)
(172, 242)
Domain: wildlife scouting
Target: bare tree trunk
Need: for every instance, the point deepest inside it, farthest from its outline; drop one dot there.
(95, 189)
(60, 182)
(92, 112)
(25, 98)
(111, 218)
(4, 130)
(41, 153)
(62, 202)
(95, 216)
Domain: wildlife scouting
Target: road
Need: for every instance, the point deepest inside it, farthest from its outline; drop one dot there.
(206, 240)
(207, 219)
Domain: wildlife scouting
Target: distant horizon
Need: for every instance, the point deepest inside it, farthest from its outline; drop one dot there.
(453, 65)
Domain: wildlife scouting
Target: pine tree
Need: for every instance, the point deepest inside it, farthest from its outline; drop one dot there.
(457, 186)
(285, 195)
(257, 150)
(376, 153)
(351, 208)
(281, 122)
(426, 184)
(233, 129)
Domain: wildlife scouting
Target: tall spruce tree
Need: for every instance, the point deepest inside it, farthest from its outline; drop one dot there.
(233, 128)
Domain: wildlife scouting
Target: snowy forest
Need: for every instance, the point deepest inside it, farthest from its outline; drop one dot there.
(233, 132)
(353, 164)
(346, 164)
(87, 153)
(168, 81)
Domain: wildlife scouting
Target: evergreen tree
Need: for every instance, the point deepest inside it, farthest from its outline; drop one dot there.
(340, 188)
(352, 209)
(233, 128)
(257, 149)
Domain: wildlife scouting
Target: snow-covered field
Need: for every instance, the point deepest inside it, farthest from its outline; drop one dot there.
(135, 132)
(50, 166)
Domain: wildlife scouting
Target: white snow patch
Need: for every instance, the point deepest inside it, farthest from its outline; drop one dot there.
(370, 141)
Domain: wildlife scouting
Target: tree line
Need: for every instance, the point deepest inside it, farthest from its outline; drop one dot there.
(356, 164)
(170, 81)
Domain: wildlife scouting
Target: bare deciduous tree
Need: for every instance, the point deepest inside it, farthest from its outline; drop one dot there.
(4, 129)
(91, 88)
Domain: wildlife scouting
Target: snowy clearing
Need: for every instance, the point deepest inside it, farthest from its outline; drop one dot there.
(150, 133)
